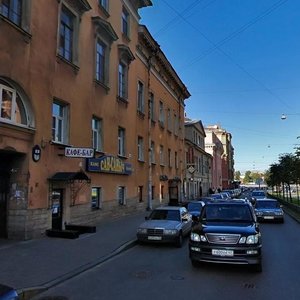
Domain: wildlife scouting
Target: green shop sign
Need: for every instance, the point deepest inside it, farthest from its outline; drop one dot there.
(108, 164)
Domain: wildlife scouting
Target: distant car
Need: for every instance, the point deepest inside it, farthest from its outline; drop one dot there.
(168, 224)
(195, 207)
(269, 210)
(231, 193)
(8, 293)
(258, 194)
(217, 196)
(227, 232)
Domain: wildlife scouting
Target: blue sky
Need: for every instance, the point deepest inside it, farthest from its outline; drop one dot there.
(240, 60)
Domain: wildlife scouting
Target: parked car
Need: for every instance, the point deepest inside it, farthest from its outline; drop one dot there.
(217, 196)
(8, 293)
(227, 232)
(269, 210)
(166, 224)
(258, 194)
(195, 207)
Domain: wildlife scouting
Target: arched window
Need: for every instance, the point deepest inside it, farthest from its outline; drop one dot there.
(12, 107)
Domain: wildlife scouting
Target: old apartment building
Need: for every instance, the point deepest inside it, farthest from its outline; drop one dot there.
(199, 163)
(92, 115)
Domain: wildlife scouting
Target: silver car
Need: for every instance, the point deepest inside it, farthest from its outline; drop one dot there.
(166, 224)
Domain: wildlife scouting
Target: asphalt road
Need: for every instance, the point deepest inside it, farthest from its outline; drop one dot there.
(160, 272)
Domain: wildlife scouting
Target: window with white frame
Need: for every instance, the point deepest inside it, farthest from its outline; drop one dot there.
(161, 113)
(140, 148)
(140, 97)
(121, 141)
(122, 80)
(152, 155)
(96, 197)
(97, 134)
(12, 107)
(161, 155)
(151, 107)
(125, 22)
(121, 195)
(12, 9)
(101, 70)
(104, 4)
(59, 123)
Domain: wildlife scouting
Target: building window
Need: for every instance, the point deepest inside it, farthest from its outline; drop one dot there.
(140, 193)
(161, 113)
(169, 158)
(152, 191)
(169, 119)
(12, 107)
(152, 153)
(121, 195)
(96, 198)
(122, 80)
(66, 34)
(104, 4)
(97, 134)
(121, 141)
(12, 9)
(125, 22)
(101, 62)
(140, 149)
(140, 97)
(175, 123)
(176, 160)
(151, 107)
(161, 155)
(59, 123)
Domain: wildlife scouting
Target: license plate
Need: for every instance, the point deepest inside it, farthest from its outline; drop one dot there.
(268, 217)
(221, 252)
(154, 238)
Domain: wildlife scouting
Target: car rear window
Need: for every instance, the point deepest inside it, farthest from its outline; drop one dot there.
(163, 214)
(266, 204)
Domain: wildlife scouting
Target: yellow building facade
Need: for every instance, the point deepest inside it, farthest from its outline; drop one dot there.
(92, 115)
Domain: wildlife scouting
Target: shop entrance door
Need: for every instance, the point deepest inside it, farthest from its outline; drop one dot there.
(57, 208)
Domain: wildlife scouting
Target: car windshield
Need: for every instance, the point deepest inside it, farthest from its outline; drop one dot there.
(163, 214)
(235, 213)
(194, 206)
(266, 204)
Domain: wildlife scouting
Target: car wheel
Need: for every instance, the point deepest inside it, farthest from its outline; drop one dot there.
(179, 241)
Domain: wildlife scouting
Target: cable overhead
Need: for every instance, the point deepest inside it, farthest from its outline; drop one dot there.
(215, 46)
(176, 19)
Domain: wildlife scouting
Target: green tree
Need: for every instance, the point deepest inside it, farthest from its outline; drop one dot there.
(237, 175)
(247, 177)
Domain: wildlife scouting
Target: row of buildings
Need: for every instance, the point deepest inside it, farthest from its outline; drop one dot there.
(92, 121)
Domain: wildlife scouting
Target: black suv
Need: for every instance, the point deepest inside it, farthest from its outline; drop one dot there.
(226, 232)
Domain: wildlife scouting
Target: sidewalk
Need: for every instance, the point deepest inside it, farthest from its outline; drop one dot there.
(35, 265)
